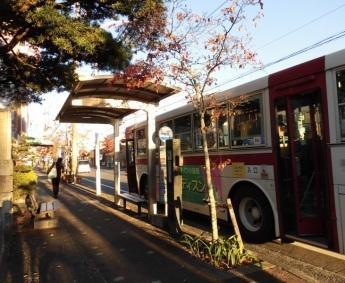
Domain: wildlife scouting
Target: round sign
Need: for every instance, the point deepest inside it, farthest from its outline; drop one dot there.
(165, 133)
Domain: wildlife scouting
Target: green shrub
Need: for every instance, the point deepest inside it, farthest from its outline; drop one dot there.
(223, 253)
(24, 182)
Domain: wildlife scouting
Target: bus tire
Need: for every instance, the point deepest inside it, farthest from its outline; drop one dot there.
(254, 214)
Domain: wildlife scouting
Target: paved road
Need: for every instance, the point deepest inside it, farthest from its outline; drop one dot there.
(96, 242)
(107, 181)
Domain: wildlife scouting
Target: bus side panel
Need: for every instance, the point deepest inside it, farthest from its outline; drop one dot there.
(337, 156)
(261, 176)
(338, 159)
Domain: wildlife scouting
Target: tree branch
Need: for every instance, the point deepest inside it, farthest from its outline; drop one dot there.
(19, 35)
(218, 55)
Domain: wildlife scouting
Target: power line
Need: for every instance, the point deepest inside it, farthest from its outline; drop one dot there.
(218, 8)
(298, 52)
(293, 54)
(302, 26)
(283, 36)
(303, 50)
(315, 45)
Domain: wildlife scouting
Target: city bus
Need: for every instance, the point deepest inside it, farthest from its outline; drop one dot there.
(283, 146)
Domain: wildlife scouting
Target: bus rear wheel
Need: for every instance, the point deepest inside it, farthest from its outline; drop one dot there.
(253, 214)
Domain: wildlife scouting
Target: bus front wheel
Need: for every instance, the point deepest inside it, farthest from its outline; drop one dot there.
(253, 214)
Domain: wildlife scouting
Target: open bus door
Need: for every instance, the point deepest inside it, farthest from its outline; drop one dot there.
(131, 170)
(302, 163)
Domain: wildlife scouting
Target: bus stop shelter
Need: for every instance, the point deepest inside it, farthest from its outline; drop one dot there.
(103, 100)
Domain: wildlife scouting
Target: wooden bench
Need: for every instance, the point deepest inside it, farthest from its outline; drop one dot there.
(45, 216)
(135, 199)
(46, 209)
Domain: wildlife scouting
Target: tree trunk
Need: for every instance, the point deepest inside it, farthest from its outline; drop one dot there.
(209, 186)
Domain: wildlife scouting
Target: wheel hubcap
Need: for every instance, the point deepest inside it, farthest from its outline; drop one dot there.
(250, 214)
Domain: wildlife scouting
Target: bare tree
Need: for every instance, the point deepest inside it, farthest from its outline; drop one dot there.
(192, 51)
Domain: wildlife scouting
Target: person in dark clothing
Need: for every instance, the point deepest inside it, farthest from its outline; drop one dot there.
(56, 181)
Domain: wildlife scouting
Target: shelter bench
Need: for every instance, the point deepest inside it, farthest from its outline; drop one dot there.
(135, 199)
(45, 217)
(47, 209)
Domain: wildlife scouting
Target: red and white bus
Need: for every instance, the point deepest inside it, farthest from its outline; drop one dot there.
(286, 144)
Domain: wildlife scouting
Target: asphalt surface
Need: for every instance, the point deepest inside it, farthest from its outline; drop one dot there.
(98, 242)
(95, 241)
(307, 263)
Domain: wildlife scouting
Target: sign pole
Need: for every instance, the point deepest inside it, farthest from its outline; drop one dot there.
(174, 185)
(98, 167)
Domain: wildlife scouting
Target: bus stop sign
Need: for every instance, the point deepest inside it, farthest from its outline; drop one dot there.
(165, 133)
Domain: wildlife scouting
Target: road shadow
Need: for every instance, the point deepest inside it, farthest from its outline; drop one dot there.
(98, 242)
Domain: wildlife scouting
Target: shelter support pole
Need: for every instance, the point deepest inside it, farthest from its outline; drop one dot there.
(98, 166)
(151, 159)
(117, 188)
(74, 157)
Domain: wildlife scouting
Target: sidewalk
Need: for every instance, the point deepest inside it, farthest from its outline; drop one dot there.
(307, 262)
(95, 241)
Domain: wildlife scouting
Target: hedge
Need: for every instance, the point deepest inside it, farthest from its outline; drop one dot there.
(24, 181)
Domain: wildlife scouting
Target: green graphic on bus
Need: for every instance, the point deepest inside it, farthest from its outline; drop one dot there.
(193, 185)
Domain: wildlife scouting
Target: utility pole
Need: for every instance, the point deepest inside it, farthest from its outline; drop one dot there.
(117, 189)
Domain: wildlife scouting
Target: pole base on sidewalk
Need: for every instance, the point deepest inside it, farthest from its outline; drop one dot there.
(160, 221)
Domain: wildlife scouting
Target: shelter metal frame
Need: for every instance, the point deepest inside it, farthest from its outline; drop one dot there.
(103, 100)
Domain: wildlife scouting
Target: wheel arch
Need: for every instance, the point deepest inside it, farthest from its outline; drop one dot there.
(242, 183)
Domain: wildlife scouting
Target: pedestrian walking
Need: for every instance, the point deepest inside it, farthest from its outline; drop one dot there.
(54, 173)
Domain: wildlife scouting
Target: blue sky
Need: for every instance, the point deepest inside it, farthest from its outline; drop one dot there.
(287, 26)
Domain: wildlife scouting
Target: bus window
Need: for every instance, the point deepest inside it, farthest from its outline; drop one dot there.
(340, 75)
(141, 142)
(246, 123)
(183, 131)
(211, 131)
(223, 127)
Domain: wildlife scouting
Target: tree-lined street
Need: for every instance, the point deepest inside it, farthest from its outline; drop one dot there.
(223, 141)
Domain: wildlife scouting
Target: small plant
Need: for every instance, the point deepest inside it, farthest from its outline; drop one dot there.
(24, 178)
(223, 253)
(196, 245)
(24, 182)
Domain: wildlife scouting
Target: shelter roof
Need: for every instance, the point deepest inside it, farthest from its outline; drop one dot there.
(101, 100)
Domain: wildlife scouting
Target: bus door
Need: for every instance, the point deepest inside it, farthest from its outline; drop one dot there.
(131, 170)
(301, 163)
